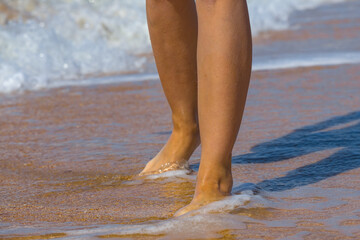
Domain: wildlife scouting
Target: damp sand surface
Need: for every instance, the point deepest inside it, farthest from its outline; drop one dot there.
(69, 156)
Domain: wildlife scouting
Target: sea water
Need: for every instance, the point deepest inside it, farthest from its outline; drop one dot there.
(52, 43)
(68, 43)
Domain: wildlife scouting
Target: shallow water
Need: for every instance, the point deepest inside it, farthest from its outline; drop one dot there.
(70, 155)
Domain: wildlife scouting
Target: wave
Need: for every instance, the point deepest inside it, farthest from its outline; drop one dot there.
(260, 64)
(48, 43)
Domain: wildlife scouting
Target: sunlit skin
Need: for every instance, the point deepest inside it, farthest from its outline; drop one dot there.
(203, 54)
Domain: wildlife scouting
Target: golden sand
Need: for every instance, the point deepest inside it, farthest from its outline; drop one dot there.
(69, 156)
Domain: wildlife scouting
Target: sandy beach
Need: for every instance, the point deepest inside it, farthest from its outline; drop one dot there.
(69, 157)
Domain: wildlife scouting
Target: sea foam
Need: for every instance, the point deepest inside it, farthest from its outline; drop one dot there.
(206, 221)
(60, 42)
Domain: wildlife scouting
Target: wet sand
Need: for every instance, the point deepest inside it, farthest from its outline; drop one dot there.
(69, 155)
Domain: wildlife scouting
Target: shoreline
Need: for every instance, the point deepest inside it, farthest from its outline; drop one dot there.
(61, 141)
(319, 60)
(332, 42)
(69, 154)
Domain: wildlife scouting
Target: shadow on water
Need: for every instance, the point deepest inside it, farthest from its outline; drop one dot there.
(324, 135)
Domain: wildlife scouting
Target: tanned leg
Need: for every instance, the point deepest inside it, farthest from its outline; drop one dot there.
(224, 68)
(173, 32)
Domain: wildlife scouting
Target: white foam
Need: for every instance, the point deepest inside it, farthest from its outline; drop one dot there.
(225, 205)
(309, 60)
(202, 222)
(67, 40)
(170, 176)
(105, 80)
(64, 41)
(175, 228)
(259, 64)
(183, 173)
(268, 15)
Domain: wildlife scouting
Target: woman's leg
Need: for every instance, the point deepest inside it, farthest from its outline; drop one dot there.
(173, 32)
(224, 68)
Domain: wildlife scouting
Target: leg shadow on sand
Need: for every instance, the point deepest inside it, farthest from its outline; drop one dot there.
(339, 132)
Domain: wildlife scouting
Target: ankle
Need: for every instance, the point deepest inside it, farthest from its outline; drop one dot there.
(184, 126)
(214, 165)
(217, 179)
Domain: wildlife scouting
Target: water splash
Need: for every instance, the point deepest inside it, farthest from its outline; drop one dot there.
(44, 43)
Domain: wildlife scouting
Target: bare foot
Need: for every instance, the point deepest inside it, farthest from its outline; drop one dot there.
(175, 154)
(212, 188)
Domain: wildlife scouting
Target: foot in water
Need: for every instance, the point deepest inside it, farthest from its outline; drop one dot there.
(211, 186)
(175, 154)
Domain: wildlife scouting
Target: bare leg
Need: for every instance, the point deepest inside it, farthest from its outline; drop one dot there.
(173, 31)
(224, 68)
